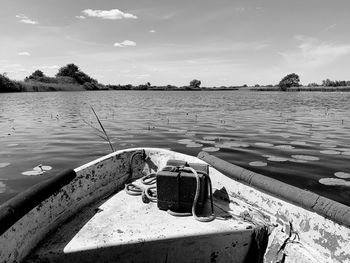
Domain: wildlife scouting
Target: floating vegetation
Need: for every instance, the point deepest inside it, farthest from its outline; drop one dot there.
(185, 141)
(210, 149)
(267, 155)
(38, 170)
(284, 147)
(2, 165)
(306, 157)
(277, 159)
(343, 149)
(342, 175)
(264, 144)
(211, 138)
(190, 133)
(194, 145)
(328, 145)
(346, 153)
(2, 187)
(206, 141)
(229, 145)
(257, 164)
(300, 143)
(334, 182)
(330, 152)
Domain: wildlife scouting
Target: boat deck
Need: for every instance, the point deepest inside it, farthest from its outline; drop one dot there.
(122, 228)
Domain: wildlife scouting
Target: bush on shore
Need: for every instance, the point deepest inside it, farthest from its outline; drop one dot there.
(8, 85)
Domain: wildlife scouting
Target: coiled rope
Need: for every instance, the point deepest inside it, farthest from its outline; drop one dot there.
(148, 191)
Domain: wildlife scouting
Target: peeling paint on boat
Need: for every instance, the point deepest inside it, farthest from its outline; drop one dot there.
(295, 234)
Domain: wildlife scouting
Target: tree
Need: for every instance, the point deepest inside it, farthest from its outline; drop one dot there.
(291, 80)
(35, 75)
(195, 84)
(69, 70)
(72, 70)
(7, 85)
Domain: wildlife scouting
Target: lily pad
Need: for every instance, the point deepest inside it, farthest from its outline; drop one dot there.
(2, 165)
(306, 157)
(211, 138)
(210, 149)
(42, 168)
(231, 144)
(332, 152)
(334, 182)
(342, 175)
(38, 170)
(343, 149)
(300, 143)
(194, 145)
(33, 173)
(263, 144)
(284, 147)
(277, 159)
(191, 133)
(206, 141)
(257, 164)
(184, 141)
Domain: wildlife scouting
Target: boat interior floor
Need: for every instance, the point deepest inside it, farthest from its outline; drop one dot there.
(122, 226)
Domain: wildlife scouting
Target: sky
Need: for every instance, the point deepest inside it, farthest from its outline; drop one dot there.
(221, 42)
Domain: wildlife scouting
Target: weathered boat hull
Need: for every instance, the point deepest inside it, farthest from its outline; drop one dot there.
(295, 234)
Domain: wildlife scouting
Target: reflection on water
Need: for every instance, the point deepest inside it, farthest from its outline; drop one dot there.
(298, 138)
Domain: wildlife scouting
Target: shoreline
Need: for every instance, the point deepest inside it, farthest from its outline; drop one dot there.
(35, 86)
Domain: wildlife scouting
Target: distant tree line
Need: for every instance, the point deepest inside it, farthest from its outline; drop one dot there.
(293, 80)
(71, 76)
(331, 83)
(67, 75)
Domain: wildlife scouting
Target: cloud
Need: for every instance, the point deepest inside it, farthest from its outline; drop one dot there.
(25, 19)
(50, 67)
(111, 14)
(312, 53)
(152, 31)
(24, 53)
(80, 17)
(125, 43)
(328, 28)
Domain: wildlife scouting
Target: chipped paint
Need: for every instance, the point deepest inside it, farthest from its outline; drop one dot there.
(295, 234)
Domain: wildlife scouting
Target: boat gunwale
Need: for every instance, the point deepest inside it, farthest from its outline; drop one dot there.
(330, 209)
(14, 209)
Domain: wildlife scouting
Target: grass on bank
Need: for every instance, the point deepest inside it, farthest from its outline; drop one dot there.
(301, 88)
(31, 86)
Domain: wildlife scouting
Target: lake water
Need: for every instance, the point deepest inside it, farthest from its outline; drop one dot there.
(300, 138)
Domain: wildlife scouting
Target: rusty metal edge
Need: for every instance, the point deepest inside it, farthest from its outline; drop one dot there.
(323, 206)
(15, 208)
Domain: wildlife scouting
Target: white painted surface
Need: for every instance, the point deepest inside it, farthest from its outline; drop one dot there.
(321, 240)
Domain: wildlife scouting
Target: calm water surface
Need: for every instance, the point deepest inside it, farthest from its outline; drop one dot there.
(298, 138)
